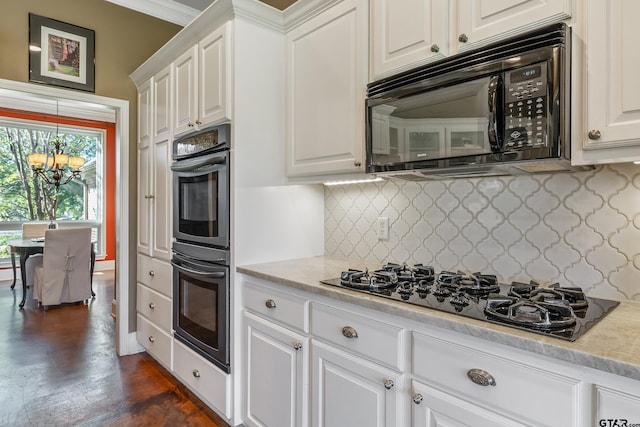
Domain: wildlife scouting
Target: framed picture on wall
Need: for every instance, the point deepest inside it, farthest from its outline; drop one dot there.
(61, 54)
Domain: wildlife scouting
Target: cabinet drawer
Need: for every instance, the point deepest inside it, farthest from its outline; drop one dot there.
(280, 306)
(155, 341)
(154, 306)
(533, 394)
(375, 340)
(208, 382)
(155, 274)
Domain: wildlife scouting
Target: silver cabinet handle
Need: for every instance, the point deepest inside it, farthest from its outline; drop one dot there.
(349, 332)
(357, 163)
(152, 305)
(148, 196)
(417, 398)
(297, 346)
(270, 303)
(152, 273)
(481, 377)
(196, 373)
(435, 48)
(388, 384)
(594, 134)
(462, 38)
(198, 122)
(151, 338)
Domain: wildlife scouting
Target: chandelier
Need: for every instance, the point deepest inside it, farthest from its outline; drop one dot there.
(56, 168)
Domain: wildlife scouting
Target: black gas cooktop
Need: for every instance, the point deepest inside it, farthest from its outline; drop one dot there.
(561, 312)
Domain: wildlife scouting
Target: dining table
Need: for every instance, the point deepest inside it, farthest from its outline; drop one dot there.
(27, 247)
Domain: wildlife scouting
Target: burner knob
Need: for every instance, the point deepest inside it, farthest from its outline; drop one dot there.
(481, 377)
(349, 332)
(417, 398)
(388, 384)
(270, 303)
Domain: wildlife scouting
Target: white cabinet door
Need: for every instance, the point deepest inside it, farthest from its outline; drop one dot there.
(162, 104)
(144, 166)
(326, 77)
(201, 83)
(275, 372)
(348, 391)
(615, 407)
(161, 201)
(434, 408)
(186, 94)
(612, 61)
(407, 33)
(485, 21)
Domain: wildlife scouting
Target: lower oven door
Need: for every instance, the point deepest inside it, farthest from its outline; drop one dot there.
(201, 308)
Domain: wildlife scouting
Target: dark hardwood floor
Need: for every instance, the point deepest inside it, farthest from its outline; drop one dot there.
(60, 368)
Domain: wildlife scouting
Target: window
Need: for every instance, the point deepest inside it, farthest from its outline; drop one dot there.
(25, 197)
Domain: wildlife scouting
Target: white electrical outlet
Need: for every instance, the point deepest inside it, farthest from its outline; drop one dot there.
(382, 228)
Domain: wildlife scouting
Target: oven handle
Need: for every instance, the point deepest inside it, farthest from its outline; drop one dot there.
(213, 274)
(214, 161)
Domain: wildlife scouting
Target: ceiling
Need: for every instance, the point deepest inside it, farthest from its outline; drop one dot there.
(181, 12)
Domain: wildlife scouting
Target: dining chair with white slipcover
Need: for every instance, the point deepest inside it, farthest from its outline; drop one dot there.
(32, 230)
(64, 275)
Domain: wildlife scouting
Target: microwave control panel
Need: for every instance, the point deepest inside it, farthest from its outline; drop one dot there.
(525, 107)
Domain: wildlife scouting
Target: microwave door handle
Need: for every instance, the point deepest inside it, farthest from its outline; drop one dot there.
(495, 113)
(214, 274)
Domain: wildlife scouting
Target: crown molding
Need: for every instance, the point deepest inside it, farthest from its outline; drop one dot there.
(162, 9)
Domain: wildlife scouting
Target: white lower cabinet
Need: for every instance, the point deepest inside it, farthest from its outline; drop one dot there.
(208, 382)
(435, 408)
(276, 375)
(349, 391)
(155, 341)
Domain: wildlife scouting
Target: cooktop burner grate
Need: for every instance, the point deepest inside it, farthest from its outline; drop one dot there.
(561, 312)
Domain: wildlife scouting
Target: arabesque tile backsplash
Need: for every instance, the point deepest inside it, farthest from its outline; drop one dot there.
(578, 229)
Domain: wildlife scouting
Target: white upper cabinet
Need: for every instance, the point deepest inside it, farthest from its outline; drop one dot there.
(409, 33)
(162, 104)
(485, 21)
(201, 83)
(326, 79)
(611, 131)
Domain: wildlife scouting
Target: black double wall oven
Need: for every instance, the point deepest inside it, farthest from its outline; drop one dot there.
(201, 250)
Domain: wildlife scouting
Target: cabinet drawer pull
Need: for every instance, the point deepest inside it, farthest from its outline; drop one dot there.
(388, 384)
(198, 122)
(148, 196)
(270, 303)
(152, 273)
(435, 48)
(196, 373)
(594, 134)
(349, 332)
(417, 398)
(297, 346)
(481, 377)
(151, 338)
(152, 305)
(462, 38)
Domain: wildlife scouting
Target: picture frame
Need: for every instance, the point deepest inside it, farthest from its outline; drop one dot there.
(61, 54)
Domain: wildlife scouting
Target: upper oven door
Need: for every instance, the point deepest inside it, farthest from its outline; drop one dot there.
(201, 199)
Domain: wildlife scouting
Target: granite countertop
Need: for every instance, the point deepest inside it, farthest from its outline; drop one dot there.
(612, 345)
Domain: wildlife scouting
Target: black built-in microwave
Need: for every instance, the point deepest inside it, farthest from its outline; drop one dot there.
(500, 109)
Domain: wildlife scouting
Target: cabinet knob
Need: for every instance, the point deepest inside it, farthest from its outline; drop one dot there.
(435, 48)
(148, 196)
(198, 122)
(417, 398)
(270, 303)
(594, 134)
(388, 384)
(357, 163)
(297, 346)
(190, 124)
(349, 332)
(196, 373)
(462, 38)
(152, 273)
(152, 305)
(151, 338)
(481, 377)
